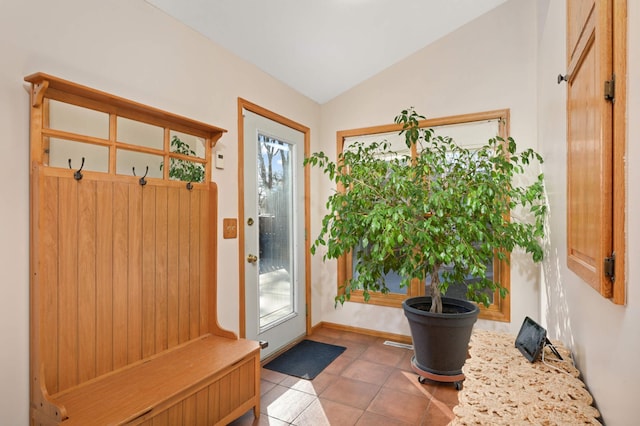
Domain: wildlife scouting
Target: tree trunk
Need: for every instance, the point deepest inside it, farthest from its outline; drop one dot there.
(436, 296)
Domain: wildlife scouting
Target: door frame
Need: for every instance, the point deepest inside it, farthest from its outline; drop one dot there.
(243, 104)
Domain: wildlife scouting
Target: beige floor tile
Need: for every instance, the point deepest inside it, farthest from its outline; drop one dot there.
(405, 407)
(272, 376)
(353, 393)
(408, 382)
(313, 387)
(284, 403)
(248, 420)
(438, 413)
(338, 365)
(324, 412)
(367, 371)
(354, 349)
(372, 419)
(382, 354)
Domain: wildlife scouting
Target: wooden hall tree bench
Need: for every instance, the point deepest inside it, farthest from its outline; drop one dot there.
(123, 267)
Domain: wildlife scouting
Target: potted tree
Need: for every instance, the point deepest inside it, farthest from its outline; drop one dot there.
(438, 216)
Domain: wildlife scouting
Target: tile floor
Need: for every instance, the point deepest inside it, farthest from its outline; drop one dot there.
(369, 384)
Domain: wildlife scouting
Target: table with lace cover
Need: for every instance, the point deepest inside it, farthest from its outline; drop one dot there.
(503, 388)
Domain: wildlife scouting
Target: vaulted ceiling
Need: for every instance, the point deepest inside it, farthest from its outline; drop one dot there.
(322, 48)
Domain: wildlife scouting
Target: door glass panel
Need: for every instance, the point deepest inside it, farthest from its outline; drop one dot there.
(275, 209)
(139, 133)
(74, 119)
(96, 157)
(126, 160)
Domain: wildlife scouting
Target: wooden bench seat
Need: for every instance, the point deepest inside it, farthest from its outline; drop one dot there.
(219, 374)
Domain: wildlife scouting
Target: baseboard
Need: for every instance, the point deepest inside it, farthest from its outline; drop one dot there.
(387, 336)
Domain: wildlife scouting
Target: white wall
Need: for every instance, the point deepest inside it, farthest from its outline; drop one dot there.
(486, 65)
(605, 338)
(130, 49)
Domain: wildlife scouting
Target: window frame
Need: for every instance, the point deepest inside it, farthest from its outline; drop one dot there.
(500, 310)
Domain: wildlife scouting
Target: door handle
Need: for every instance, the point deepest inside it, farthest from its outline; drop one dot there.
(252, 258)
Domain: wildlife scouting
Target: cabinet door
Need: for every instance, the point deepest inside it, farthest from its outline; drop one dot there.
(590, 149)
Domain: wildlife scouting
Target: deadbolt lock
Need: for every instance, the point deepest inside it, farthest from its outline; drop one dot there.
(250, 221)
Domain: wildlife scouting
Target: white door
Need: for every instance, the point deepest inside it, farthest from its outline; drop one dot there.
(274, 232)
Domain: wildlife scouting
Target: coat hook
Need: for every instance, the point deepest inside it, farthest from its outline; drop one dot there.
(78, 174)
(562, 78)
(189, 186)
(142, 180)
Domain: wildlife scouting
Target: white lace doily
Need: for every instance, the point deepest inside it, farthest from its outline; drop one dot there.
(503, 388)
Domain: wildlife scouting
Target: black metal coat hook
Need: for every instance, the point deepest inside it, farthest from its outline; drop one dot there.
(78, 174)
(189, 186)
(142, 180)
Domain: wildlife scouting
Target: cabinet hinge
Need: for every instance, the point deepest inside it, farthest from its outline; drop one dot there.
(610, 267)
(610, 89)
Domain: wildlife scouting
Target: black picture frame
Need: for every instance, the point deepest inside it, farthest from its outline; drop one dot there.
(531, 339)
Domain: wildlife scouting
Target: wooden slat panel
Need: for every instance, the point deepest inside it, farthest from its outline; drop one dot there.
(189, 410)
(86, 280)
(173, 227)
(161, 419)
(183, 267)
(246, 382)
(134, 320)
(148, 271)
(175, 415)
(214, 402)
(224, 396)
(202, 407)
(68, 285)
(161, 272)
(234, 389)
(48, 274)
(120, 272)
(194, 264)
(205, 257)
(104, 277)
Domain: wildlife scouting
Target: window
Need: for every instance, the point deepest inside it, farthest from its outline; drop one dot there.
(469, 130)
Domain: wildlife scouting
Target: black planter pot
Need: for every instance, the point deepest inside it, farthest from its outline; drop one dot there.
(440, 341)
